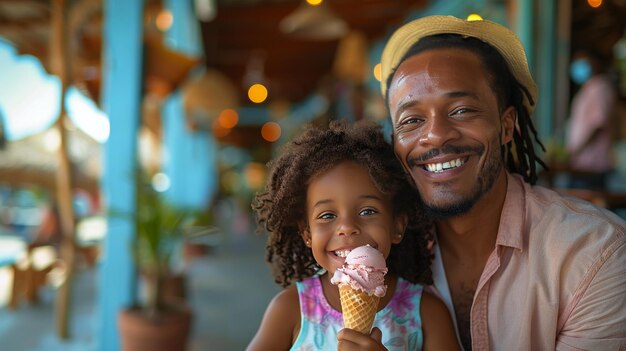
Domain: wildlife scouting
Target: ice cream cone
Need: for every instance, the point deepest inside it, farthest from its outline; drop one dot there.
(358, 309)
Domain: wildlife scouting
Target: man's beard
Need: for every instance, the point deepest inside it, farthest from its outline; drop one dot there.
(485, 181)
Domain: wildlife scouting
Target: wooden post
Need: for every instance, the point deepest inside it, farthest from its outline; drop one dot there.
(59, 65)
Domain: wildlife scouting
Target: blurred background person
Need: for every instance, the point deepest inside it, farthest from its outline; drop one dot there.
(590, 133)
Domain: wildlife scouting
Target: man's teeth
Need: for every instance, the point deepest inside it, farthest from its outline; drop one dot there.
(342, 253)
(440, 167)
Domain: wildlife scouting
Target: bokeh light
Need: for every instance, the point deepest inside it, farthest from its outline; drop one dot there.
(231, 181)
(52, 140)
(474, 17)
(377, 72)
(271, 131)
(255, 175)
(257, 93)
(594, 3)
(228, 118)
(218, 130)
(164, 20)
(161, 182)
(314, 2)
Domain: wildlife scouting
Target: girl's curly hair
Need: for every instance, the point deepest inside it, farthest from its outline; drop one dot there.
(281, 208)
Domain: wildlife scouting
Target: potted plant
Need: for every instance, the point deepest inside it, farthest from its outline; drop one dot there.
(163, 320)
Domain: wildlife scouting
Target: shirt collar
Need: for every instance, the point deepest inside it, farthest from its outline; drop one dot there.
(510, 230)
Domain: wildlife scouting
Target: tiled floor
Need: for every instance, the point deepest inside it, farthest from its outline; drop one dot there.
(229, 290)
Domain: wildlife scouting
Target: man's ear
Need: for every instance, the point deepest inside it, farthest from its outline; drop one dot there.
(305, 233)
(400, 223)
(507, 124)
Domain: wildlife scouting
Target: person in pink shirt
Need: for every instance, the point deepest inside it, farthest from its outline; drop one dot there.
(519, 266)
(590, 133)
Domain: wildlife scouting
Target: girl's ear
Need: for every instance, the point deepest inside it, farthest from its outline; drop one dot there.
(305, 233)
(400, 223)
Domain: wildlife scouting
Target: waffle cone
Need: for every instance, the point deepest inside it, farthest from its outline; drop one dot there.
(358, 309)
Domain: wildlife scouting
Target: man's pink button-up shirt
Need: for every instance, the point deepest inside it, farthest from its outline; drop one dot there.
(555, 280)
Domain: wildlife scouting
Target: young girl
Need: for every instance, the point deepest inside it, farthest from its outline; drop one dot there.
(332, 190)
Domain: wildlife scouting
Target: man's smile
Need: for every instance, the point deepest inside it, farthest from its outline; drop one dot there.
(438, 167)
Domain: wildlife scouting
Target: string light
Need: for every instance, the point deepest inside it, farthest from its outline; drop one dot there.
(255, 175)
(474, 17)
(377, 72)
(271, 131)
(161, 182)
(257, 93)
(164, 20)
(218, 130)
(228, 118)
(594, 3)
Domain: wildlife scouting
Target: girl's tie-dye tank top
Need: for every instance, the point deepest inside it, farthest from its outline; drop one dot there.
(399, 321)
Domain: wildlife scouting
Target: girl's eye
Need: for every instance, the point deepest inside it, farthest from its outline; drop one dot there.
(326, 216)
(367, 212)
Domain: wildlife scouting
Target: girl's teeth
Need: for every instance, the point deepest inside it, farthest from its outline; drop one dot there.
(342, 253)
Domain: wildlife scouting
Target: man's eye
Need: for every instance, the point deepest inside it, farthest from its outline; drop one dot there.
(408, 124)
(461, 111)
(410, 120)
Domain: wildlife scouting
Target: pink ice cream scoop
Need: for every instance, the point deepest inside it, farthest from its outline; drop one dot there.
(364, 269)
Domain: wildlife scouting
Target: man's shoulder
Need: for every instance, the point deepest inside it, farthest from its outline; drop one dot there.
(570, 241)
(564, 208)
(563, 223)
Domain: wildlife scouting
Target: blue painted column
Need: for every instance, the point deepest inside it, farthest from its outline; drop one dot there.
(122, 85)
(561, 75)
(545, 68)
(190, 156)
(524, 28)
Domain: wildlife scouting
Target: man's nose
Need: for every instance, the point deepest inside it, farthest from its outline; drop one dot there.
(438, 131)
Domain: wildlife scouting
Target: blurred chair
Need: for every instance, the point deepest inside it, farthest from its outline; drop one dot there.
(605, 199)
(30, 273)
(597, 198)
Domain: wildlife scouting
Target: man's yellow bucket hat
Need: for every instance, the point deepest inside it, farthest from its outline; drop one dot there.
(496, 35)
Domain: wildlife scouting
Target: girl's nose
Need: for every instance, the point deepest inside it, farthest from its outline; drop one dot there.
(347, 227)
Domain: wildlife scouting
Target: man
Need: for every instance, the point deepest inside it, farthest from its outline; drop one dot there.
(520, 267)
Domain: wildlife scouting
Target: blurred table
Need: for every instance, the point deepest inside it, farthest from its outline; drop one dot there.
(12, 248)
(29, 264)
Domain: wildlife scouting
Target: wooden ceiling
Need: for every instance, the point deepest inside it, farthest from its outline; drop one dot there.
(241, 31)
(292, 66)
(598, 28)
(247, 29)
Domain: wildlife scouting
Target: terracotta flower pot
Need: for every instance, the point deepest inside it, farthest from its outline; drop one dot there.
(195, 250)
(175, 288)
(165, 331)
